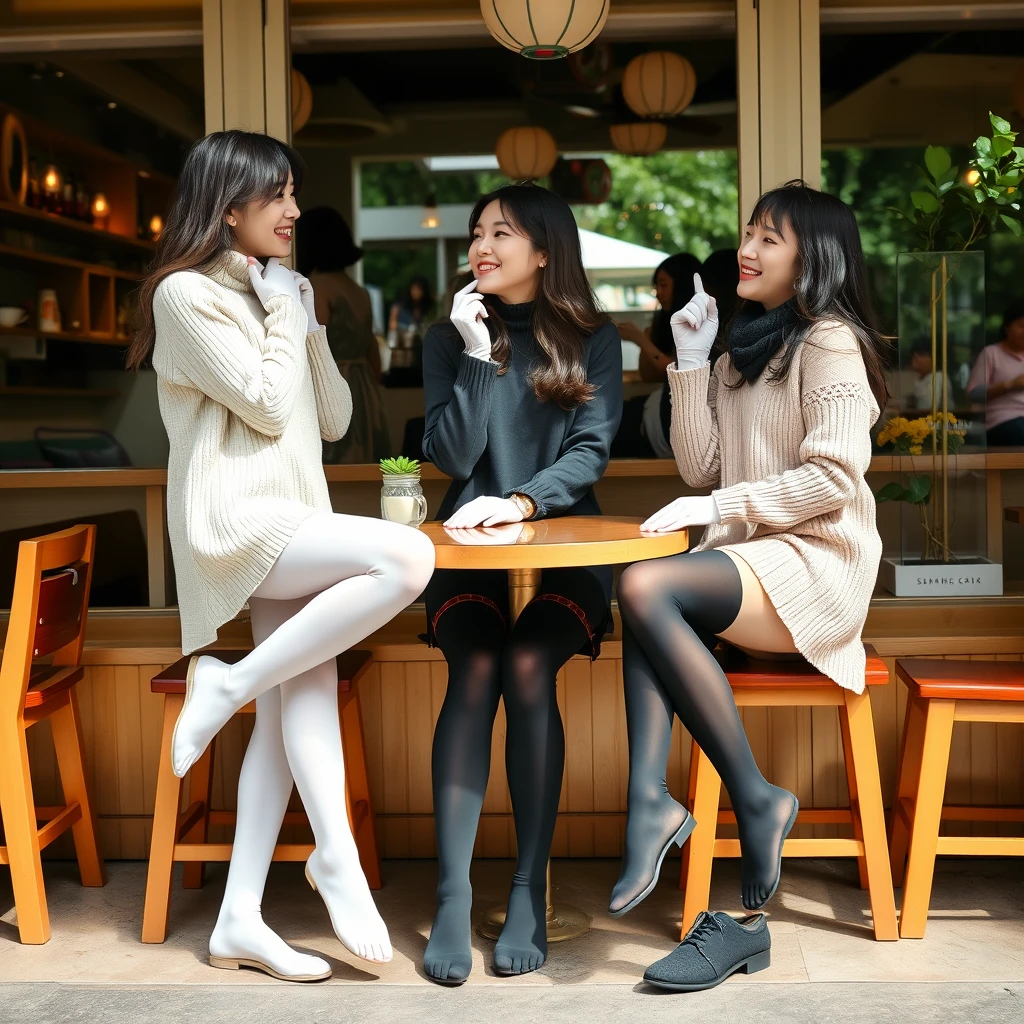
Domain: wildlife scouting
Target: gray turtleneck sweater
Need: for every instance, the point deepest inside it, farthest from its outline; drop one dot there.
(491, 434)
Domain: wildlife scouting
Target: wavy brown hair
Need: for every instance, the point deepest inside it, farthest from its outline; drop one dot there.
(565, 312)
(223, 171)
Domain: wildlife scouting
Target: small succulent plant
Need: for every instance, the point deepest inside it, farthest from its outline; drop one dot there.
(400, 467)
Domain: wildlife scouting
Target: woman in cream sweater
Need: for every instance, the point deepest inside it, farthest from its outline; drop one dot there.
(780, 429)
(247, 389)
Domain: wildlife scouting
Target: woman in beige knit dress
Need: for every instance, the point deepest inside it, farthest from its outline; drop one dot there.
(780, 429)
(247, 389)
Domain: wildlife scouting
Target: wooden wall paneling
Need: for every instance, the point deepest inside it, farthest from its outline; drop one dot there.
(131, 798)
(394, 742)
(420, 718)
(984, 765)
(579, 757)
(609, 781)
(1010, 782)
(151, 707)
(370, 703)
(828, 780)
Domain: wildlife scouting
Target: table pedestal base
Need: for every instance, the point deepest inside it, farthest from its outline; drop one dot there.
(562, 922)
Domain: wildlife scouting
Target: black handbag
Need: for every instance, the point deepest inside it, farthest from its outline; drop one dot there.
(80, 447)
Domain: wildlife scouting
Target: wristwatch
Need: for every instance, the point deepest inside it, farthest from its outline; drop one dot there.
(524, 503)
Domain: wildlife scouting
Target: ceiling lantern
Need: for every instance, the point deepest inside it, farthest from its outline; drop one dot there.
(658, 84)
(526, 152)
(641, 138)
(302, 100)
(544, 29)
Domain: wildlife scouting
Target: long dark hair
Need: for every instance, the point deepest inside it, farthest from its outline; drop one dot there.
(323, 242)
(565, 312)
(681, 267)
(831, 281)
(221, 172)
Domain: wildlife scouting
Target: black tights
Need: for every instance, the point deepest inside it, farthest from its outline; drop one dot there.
(671, 610)
(485, 663)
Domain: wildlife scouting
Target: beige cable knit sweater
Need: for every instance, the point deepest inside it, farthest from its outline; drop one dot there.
(788, 461)
(245, 396)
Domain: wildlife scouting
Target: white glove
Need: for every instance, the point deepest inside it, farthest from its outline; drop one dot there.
(306, 297)
(468, 315)
(272, 280)
(485, 511)
(694, 328)
(509, 533)
(690, 511)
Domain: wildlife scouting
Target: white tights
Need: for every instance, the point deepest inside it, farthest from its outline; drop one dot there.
(339, 579)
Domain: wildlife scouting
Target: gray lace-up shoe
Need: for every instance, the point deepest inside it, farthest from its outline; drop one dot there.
(715, 947)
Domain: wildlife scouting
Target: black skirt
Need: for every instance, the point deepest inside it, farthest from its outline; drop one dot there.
(585, 591)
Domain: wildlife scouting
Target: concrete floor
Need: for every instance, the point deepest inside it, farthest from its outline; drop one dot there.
(826, 965)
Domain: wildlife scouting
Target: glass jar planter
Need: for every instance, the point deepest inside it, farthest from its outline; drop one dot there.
(402, 500)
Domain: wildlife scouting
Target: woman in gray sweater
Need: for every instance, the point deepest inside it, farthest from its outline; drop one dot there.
(523, 395)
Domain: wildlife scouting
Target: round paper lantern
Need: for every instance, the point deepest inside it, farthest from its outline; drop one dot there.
(544, 29)
(658, 84)
(641, 138)
(302, 100)
(526, 152)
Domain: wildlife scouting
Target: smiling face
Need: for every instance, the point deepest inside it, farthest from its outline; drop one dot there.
(503, 260)
(769, 264)
(265, 231)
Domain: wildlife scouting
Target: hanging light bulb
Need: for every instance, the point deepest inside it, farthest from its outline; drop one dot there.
(431, 217)
(156, 226)
(51, 180)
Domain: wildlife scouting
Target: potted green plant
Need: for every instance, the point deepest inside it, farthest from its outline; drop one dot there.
(941, 305)
(401, 495)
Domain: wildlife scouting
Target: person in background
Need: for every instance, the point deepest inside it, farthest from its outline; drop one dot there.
(646, 418)
(721, 275)
(928, 382)
(997, 381)
(324, 250)
(411, 311)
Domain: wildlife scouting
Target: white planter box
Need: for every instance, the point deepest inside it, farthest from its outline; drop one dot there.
(980, 578)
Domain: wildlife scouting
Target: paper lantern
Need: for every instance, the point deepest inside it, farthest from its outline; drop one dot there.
(302, 100)
(544, 29)
(526, 152)
(658, 84)
(641, 138)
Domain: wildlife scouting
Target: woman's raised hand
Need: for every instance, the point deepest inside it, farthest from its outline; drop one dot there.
(273, 279)
(694, 328)
(308, 304)
(468, 315)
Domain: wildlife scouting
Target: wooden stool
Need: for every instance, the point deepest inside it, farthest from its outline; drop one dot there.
(49, 611)
(182, 836)
(941, 693)
(798, 684)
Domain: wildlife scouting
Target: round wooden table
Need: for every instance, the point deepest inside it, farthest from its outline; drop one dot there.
(525, 549)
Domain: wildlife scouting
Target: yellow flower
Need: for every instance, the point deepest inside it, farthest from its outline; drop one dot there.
(915, 449)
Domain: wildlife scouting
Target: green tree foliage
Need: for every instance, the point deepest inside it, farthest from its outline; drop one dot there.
(674, 201)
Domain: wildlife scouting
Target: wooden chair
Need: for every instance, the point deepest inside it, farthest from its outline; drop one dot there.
(941, 693)
(797, 684)
(49, 611)
(182, 836)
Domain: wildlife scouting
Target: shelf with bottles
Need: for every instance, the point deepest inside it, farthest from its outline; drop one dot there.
(73, 187)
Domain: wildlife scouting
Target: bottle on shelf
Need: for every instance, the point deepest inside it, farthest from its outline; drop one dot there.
(34, 193)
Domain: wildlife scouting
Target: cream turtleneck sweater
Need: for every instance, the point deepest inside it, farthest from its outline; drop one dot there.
(245, 395)
(788, 461)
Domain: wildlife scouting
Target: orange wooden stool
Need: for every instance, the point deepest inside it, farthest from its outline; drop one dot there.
(941, 693)
(48, 616)
(797, 684)
(182, 836)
